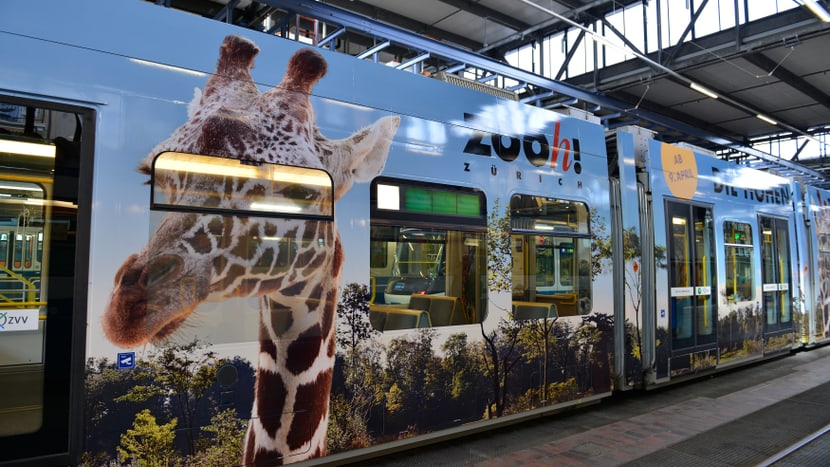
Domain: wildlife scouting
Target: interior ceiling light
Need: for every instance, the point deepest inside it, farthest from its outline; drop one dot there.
(27, 149)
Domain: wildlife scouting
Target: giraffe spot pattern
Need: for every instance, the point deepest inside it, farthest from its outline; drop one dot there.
(256, 191)
(292, 233)
(246, 248)
(304, 350)
(250, 446)
(304, 258)
(281, 319)
(223, 131)
(266, 258)
(200, 241)
(331, 348)
(247, 286)
(270, 285)
(219, 265)
(234, 272)
(270, 401)
(310, 232)
(260, 457)
(215, 226)
(337, 262)
(328, 312)
(313, 300)
(317, 261)
(313, 399)
(294, 290)
(270, 229)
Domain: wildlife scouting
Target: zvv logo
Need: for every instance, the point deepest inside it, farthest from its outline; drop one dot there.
(18, 320)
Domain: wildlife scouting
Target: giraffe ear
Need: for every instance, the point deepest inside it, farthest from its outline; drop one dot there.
(370, 147)
(236, 56)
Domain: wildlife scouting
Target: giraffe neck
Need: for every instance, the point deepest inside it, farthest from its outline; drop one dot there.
(295, 365)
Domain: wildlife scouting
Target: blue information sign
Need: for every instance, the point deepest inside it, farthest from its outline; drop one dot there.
(126, 360)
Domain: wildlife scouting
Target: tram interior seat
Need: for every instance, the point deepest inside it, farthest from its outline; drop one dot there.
(533, 310)
(377, 318)
(387, 318)
(419, 302)
(443, 310)
(566, 304)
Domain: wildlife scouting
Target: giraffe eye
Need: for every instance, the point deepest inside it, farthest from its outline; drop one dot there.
(299, 192)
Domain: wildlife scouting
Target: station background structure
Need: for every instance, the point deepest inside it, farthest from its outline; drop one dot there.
(745, 80)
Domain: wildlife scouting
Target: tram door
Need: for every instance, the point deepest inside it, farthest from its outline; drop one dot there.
(691, 276)
(42, 294)
(775, 263)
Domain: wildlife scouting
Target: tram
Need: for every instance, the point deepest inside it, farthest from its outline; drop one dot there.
(267, 253)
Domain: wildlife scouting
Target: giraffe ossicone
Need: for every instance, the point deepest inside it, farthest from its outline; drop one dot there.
(193, 258)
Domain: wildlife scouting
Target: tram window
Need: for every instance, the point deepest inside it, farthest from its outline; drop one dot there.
(379, 255)
(274, 190)
(551, 252)
(738, 251)
(428, 255)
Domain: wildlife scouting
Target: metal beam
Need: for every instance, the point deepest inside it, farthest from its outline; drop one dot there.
(487, 78)
(391, 18)
(569, 56)
(689, 28)
(413, 61)
(551, 25)
(330, 38)
(621, 36)
(775, 69)
(226, 13)
(373, 50)
(495, 16)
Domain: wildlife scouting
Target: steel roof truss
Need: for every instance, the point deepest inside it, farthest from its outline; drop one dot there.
(470, 59)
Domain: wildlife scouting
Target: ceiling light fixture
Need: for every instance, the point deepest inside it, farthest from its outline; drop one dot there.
(766, 119)
(703, 90)
(817, 9)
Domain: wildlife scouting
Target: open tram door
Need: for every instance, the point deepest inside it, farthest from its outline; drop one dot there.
(777, 291)
(42, 283)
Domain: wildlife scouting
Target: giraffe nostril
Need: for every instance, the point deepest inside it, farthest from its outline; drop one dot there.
(162, 268)
(129, 277)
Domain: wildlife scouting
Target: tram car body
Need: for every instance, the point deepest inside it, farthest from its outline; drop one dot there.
(319, 256)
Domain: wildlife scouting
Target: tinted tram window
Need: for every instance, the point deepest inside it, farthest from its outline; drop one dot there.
(428, 255)
(692, 275)
(551, 249)
(775, 274)
(40, 151)
(737, 241)
(272, 189)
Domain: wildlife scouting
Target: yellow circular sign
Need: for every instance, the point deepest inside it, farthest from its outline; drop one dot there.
(680, 170)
